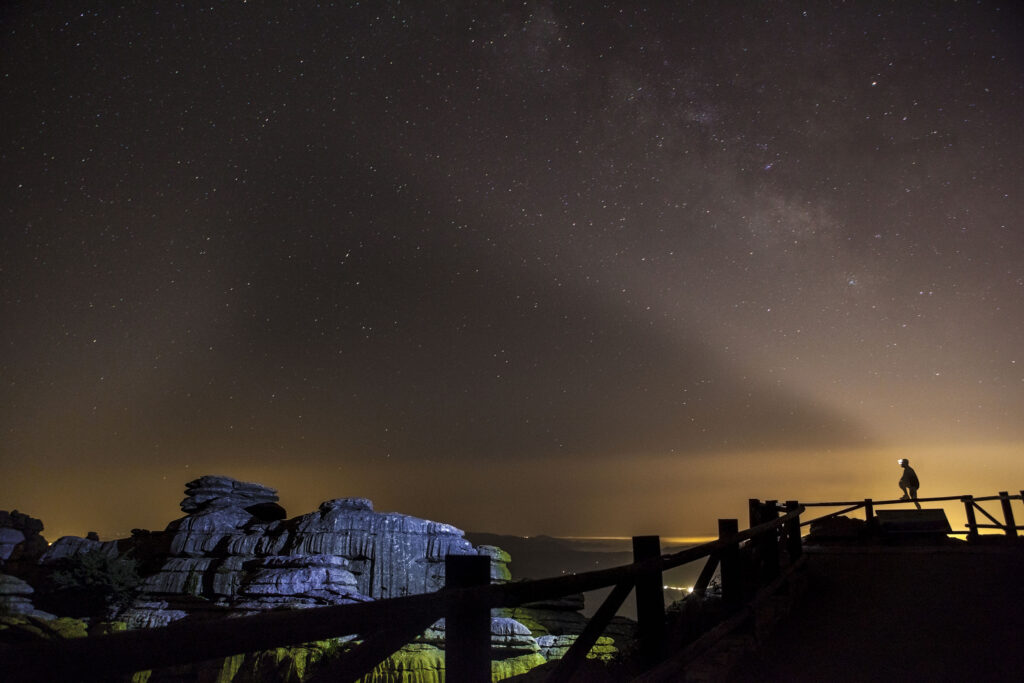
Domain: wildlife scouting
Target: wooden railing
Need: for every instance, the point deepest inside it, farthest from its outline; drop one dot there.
(971, 507)
(747, 559)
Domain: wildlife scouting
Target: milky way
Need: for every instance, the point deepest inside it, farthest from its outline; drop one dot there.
(531, 267)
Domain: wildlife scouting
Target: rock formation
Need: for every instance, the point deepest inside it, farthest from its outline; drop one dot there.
(235, 552)
(70, 546)
(20, 538)
(14, 596)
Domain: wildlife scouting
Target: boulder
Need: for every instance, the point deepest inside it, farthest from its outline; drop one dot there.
(28, 525)
(511, 636)
(201, 492)
(390, 554)
(71, 546)
(355, 504)
(297, 582)
(21, 541)
(499, 562)
(9, 540)
(559, 616)
(14, 596)
(555, 647)
(149, 612)
(508, 637)
(543, 622)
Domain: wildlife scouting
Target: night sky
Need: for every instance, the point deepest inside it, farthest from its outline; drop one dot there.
(521, 267)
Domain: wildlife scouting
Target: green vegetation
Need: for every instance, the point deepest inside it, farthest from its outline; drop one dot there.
(93, 584)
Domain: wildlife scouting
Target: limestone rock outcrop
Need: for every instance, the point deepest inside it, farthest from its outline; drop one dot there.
(390, 554)
(21, 538)
(70, 546)
(298, 581)
(555, 647)
(215, 491)
(14, 596)
(500, 560)
(558, 617)
(234, 551)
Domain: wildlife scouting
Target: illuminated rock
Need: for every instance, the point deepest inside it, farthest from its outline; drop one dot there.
(560, 616)
(25, 628)
(71, 546)
(415, 663)
(499, 562)
(508, 637)
(390, 554)
(20, 538)
(154, 613)
(297, 582)
(9, 540)
(509, 634)
(201, 492)
(230, 551)
(555, 647)
(14, 596)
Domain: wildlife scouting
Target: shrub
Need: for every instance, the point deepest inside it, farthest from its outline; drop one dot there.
(94, 584)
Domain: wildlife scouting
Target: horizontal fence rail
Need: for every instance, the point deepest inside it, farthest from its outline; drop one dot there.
(971, 508)
(385, 625)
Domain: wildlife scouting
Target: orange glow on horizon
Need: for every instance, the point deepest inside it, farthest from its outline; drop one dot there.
(677, 497)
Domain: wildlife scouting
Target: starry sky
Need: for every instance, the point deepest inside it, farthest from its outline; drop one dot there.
(524, 267)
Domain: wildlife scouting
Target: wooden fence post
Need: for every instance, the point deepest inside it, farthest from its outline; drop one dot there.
(869, 511)
(770, 543)
(467, 625)
(972, 521)
(1011, 526)
(650, 601)
(754, 511)
(794, 545)
(766, 545)
(732, 579)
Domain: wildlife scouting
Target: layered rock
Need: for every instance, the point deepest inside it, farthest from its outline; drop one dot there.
(224, 491)
(559, 616)
(234, 551)
(14, 596)
(298, 581)
(556, 623)
(20, 538)
(509, 638)
(513, 652)
(17, 629)
(71, 546)
(500, 560)
(390, 554)
(555, 647)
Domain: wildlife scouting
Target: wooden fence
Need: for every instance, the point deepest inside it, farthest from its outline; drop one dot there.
(747, 559)
(972, 506)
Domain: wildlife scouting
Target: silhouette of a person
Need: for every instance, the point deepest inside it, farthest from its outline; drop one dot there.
(909, 482)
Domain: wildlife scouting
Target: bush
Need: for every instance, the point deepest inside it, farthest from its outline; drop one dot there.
(93, 584)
